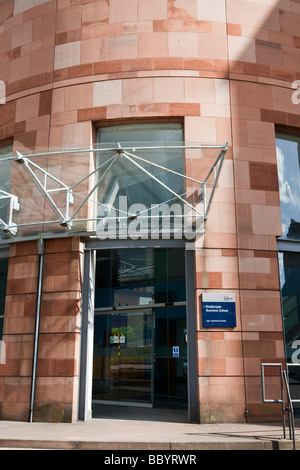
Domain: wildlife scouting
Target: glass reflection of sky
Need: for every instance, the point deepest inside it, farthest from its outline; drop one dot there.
(287, 149)
(125, 178)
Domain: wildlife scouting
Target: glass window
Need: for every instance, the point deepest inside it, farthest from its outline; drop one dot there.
(288, 162)
(138, 277)
(289, 269)
(5, 166)
(289, 264)
(129, 176)
(3, 281)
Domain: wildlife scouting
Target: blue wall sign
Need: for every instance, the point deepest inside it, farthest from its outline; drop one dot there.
(175, 351)
(218, 310)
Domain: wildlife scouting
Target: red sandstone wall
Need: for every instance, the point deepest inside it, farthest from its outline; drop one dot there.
(226, 69)
(59, 332)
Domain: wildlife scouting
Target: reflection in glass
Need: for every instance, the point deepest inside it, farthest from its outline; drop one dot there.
(290, 291)
(123, 358)
(170, 373)
(127, 182)
(288, 162)
(289, 268)
(134, 360)
(128, 277)
(5, 153)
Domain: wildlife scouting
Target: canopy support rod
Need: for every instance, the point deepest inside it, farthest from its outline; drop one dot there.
(215, 169)
(162, 184)
(93, 188)
(24, 161)
(162, 167)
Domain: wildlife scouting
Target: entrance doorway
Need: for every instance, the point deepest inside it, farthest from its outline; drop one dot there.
(140, 358)
(122, 372)
(140, 331)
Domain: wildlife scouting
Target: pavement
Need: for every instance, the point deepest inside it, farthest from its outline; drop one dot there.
(130, 429)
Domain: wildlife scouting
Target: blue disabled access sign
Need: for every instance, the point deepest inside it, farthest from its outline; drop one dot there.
(218, 310)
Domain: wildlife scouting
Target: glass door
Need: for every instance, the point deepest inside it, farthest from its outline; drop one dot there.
(122, 367)
(140, 347)
(170, 358)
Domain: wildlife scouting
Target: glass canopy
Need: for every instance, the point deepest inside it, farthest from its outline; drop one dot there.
(110, 190)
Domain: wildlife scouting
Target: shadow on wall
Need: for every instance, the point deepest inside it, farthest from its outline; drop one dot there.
(263, 54)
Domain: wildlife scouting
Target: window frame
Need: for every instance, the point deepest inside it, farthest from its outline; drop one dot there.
(282, 132)
(152, 190)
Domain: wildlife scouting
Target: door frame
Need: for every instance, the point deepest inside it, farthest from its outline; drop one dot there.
(87, 328)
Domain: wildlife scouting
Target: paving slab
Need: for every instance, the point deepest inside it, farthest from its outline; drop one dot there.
(140, 432)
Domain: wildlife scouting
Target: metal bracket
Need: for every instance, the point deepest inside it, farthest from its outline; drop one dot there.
(9, 227)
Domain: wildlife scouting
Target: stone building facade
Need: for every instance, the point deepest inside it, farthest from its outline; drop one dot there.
(224, 71)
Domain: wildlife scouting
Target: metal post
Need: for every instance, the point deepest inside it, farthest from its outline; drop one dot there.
(40, 244)
(87, 330)
(193, 406)
(278, 400)
(291, 412)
